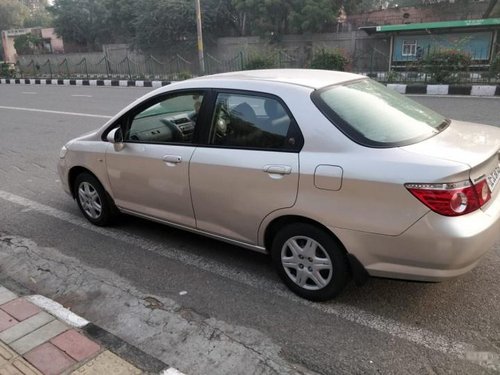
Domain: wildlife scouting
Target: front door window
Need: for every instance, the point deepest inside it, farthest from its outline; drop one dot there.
(171, 120)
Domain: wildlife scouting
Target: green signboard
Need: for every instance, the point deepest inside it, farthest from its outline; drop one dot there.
(439, 25)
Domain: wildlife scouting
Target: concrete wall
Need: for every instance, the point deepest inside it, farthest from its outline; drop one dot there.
(56, 43)
(8, 37)
(366, 52)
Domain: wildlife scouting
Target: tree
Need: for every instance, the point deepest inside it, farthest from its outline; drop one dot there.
(314, 15)
(82, 22)
(148, 25)
(120, 18)
(278, 17)
(39, 17)
(12, 14)
(264, 16)
(161, 24)
(27, 44)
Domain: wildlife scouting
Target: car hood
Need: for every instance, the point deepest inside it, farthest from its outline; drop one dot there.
(89, 136)
(472, 144)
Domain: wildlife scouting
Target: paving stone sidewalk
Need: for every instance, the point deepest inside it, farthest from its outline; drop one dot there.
(33, 341)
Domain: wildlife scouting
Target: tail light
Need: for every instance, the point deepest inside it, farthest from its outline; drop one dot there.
(452, 199)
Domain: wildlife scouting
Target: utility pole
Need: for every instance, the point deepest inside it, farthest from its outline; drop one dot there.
(200, 37)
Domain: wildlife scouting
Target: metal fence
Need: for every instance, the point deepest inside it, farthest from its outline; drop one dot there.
(365, 61)
(415, 77)
(277, 59)
(143, 67)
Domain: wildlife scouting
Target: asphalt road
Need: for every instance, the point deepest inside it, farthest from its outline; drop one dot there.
(206, 307)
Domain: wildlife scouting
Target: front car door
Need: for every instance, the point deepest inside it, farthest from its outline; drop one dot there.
(249, 168)
(149, 175)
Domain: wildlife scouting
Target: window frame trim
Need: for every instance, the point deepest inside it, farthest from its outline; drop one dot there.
(404, 44)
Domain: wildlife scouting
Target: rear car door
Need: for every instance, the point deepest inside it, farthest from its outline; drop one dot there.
(249, 166)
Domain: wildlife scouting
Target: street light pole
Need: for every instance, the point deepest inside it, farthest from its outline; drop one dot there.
(200, 37)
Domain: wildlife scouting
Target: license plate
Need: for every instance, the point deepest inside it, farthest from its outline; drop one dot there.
(493, 178)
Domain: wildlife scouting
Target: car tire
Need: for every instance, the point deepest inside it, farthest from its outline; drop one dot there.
(310, 261)
(94, 202)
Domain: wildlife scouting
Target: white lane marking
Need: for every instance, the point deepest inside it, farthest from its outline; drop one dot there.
(171, 371)
(55, 112)
(420, 336)
(28, 92)
(58, 310)
(81, 96)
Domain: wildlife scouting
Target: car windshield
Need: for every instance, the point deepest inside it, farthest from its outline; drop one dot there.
(374, 115)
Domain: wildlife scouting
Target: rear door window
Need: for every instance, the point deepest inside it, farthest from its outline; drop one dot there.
(253, 121)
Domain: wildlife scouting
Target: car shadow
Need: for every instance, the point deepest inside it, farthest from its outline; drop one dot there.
(404, 301)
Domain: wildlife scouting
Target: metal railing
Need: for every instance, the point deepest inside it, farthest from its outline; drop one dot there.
(371, 62)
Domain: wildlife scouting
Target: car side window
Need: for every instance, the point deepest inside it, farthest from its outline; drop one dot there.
(252, 121)
(166, 120)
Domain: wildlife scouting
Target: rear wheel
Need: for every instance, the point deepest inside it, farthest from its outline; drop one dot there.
(310, 261)
(94, 202)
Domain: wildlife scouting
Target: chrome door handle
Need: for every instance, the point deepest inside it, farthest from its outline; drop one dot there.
(174, 159)
(278, 169)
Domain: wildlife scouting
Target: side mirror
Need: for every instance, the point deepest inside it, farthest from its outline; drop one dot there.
(115, 136)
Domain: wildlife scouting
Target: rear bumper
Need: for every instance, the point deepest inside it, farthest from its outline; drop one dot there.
(435, 248)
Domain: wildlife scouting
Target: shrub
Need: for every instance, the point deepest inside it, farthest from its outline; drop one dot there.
(393, 76)
(329, 60)
(258, 62)
(444, 65)
(494, 71)
(181, 76)
(7, 70)
(27, 44)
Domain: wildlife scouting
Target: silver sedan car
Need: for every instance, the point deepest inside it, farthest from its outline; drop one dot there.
(332, 174)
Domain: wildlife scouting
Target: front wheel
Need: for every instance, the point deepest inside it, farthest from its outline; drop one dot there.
(94, 202)
(310, 261)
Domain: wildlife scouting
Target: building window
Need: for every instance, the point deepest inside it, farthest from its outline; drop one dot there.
(409, 48)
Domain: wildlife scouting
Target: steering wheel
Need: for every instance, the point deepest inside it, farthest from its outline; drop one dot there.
(222, 128)
(193, 116)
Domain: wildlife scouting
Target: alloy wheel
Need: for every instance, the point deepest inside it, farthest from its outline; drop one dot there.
(306, 263)
(90, 200)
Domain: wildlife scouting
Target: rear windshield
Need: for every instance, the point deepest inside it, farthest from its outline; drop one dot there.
(374, 115)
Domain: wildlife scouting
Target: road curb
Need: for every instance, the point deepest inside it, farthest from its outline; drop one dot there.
(59, 311)
(84, 82)
(131, 353)
(467, 90)
(421, 89)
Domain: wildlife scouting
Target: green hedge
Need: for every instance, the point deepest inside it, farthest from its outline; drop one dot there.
(444, 65)
(329, 60)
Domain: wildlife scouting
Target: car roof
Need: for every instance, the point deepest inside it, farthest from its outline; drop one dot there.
(313, 78)
(310, 79)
